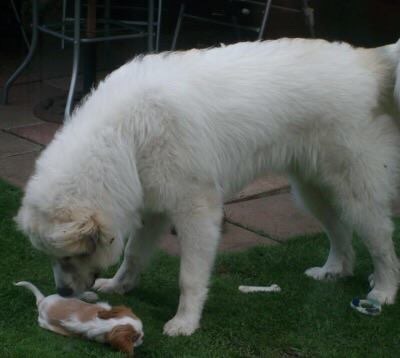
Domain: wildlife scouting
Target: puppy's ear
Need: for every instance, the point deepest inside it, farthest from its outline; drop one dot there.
(122, 338)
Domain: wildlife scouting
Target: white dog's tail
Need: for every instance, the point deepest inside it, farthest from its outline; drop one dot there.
(39, 296)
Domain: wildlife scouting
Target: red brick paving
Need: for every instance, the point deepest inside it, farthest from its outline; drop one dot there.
(275, 216)
(262, 185)
(41, 133)
(17, 169)
(12, 145)
(233, 239)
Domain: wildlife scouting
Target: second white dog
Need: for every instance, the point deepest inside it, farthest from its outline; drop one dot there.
(169, 137)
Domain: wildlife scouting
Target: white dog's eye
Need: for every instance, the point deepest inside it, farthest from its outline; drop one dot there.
(66, 260)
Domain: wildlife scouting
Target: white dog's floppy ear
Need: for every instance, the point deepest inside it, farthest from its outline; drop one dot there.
(25, 220)
(77, 237)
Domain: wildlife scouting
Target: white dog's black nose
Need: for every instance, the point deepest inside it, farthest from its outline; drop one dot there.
(65, 291)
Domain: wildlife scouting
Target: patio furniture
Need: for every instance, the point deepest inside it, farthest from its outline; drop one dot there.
(18, 19)
(242, 8)
(88, 35)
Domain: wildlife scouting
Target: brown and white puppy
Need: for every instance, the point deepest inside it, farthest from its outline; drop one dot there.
(117, 326)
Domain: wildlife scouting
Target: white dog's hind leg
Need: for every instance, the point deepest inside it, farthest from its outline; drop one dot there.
(341, 256)
(137, 253)
(376, 232)
(198, 228)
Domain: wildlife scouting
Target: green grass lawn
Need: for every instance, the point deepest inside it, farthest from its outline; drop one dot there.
(307, 319)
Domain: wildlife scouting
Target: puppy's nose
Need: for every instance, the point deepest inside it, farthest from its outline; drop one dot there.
(65, 291)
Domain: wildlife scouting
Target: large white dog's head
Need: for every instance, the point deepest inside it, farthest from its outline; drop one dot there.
(77, 240)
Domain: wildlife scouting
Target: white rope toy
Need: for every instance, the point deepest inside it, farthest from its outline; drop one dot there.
(250, 289)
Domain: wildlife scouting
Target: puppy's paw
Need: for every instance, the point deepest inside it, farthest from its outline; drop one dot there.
(385, 297)
(108, 285)
(180, 327)
(324, 273)
(89, 296)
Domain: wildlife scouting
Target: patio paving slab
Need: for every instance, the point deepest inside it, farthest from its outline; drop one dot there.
(268, 183)
(18, 168)
(41, 133)
(275, 216)
(12, 145)
(12, 116)
(396, 208)
(233, 239)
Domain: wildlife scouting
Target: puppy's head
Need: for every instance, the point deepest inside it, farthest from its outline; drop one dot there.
(126, 335)
(77, 240)
(122, 338)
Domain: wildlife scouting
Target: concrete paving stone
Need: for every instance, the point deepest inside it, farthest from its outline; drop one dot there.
(17, 169)
(275, 216)
(270, 182)
(41, 133)
(11, 145)
(233, 239)
(12, 116)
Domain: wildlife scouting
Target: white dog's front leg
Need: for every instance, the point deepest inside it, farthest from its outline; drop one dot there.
(198, 230)
(136, 255)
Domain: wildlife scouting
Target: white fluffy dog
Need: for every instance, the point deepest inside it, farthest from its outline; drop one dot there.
(168, 137)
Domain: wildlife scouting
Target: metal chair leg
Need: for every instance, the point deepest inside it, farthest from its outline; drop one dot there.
(264, 19)
(75, 66)
(158, 25)
(150, 26)
(107, 14)
(18, 18)
(28, 58)
(63, 19)
(178, 26)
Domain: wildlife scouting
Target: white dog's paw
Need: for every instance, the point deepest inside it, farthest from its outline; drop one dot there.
(324, 273)
(385, 297)
(108, 285)
(180, 327)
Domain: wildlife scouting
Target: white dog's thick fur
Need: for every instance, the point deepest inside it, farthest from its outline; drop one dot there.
(170, 136)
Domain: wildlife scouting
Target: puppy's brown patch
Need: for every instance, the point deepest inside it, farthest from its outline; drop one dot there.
(117, 312)
(64, 309)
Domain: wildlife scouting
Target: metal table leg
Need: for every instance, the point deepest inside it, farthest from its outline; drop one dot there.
(265, 18)
(178, 26)
(75, 65)
(28, 58)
